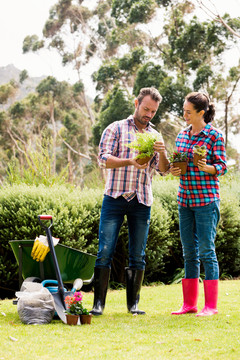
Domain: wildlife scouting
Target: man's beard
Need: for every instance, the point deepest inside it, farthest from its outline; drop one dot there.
(143, 120)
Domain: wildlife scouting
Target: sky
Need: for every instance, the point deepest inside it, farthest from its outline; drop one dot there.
(19, 18)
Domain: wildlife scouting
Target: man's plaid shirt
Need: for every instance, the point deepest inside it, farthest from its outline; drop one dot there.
(198, 188)
(128, 179)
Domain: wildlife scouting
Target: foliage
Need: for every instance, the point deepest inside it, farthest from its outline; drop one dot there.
(38, 170)
(117, 105)
(178, 156)
(132, 12)
(200, 150)
(76, 219)
(144, 143)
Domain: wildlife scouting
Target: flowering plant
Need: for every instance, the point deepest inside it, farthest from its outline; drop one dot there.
(178, 156)
(75, 305)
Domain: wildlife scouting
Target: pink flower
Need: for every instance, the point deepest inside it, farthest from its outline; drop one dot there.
(78, 296)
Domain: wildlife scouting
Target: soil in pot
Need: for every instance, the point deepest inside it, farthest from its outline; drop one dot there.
(182, 165)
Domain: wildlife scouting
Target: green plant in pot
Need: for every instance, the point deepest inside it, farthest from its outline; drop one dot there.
(144, 145)
(179, 159)
(85, 317)
(199, 152)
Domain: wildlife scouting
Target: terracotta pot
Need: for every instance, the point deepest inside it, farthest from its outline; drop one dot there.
(197, 157)
(182, 165)
(144, 160)
(86, 319)
(72, 319)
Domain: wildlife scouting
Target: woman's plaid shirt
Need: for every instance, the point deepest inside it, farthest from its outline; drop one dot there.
(198, 188)
(128, 179)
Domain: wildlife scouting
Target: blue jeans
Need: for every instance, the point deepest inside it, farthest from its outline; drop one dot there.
(111, 219)
(198, 231)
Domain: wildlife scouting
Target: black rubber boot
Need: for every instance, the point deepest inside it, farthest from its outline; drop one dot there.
(101, 279)
(134, 279)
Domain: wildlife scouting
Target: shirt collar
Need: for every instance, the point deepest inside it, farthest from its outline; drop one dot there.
(205, 130)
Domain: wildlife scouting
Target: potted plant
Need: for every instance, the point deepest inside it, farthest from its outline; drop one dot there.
(74, 307)
(180, 160)
(144, 145)
(199, 152)
(85, 317)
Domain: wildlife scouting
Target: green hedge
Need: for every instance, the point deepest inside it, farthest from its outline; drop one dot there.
(76, 217)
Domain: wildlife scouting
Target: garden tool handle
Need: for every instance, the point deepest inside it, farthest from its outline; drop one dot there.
(52, 250)
(45, 217)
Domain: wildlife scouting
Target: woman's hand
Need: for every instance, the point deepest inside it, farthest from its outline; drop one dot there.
(175, 171)
(202, 166)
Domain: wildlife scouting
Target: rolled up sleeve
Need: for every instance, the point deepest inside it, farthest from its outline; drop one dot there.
(108, 144)
(219, 157)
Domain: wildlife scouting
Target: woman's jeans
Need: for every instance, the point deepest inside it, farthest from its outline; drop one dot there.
(198, 231)
(112, 216)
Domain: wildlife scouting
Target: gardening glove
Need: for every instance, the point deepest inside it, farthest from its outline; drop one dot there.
(41, 248)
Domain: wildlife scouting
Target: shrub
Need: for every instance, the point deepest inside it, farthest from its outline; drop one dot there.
(75, 220)
(76, 216)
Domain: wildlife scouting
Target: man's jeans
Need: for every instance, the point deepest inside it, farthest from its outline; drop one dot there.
(112, 216)
(198, 231)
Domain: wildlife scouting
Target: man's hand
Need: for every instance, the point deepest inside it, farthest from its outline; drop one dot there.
(137, 165)
(159, 146)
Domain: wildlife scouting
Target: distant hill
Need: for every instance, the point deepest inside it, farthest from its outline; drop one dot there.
(10, 72)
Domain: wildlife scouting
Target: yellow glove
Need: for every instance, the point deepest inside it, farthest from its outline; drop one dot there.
(41, 248)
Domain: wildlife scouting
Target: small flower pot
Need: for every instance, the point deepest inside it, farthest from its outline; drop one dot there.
(72, 319)
(144, 160)
(182, 165)
(197, 157)
(86, 319)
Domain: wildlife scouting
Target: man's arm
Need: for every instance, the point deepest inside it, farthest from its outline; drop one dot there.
(115, 162)
(163, 164)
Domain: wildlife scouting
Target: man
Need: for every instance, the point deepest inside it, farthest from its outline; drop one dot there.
(127, 192)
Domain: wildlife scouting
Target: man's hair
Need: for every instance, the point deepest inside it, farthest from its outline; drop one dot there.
(154, 93)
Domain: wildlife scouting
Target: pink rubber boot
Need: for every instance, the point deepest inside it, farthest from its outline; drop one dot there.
(190, 289)
(211, 297)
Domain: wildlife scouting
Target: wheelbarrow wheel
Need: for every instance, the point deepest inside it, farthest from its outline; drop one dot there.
(30, 279)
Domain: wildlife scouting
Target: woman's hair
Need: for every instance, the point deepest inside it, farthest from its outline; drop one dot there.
(200, 102)
(154, 94)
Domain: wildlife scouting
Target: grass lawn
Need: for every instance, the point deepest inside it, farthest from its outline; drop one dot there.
(119, 335)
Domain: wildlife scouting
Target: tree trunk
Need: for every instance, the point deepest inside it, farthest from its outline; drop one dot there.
(70, 167)
(54, 136)
(226, 122)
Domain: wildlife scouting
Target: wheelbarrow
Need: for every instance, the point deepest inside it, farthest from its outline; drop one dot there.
(62, 264)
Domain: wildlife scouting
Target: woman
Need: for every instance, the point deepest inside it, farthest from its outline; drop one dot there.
(198, 202)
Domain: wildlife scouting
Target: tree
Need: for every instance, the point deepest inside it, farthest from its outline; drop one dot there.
(117, 105)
